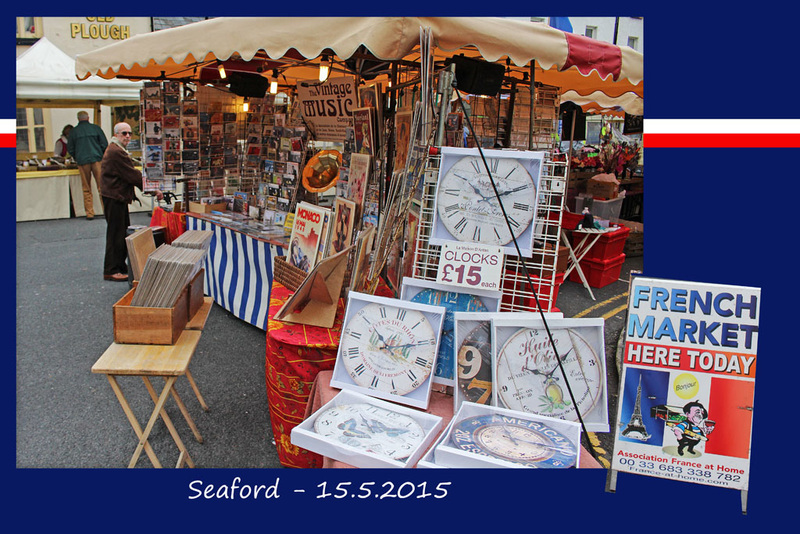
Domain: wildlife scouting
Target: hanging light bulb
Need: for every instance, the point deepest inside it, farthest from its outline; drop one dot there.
(324, 68)
(246, 105)
(221, 70)
(273, 84)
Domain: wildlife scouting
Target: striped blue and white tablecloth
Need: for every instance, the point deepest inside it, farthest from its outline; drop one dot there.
(238, 271)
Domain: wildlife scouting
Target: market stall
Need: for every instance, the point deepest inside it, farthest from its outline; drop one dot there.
(46, 79)
(379, 94)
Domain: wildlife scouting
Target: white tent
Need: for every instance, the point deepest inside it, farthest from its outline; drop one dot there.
(46, 78)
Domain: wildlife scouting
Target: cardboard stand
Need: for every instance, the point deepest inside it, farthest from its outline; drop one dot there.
(316, 300)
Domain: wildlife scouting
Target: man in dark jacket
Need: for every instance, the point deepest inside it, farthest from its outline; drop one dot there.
(86, 144)
(118, 178)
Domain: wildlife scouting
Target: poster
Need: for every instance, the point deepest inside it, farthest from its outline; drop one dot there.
(327, 107)
(686, 399)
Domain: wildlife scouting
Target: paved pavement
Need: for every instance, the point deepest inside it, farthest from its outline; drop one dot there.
(67, 417)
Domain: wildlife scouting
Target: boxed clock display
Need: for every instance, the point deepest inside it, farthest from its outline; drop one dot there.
(467, 201)
(428, 460)
(473, 355)
(366, 432)
(490, 437)
(454, 299)
(388, 348)
(532, 372)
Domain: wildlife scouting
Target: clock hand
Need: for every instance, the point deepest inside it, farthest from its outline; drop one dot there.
(548, 374)
(509, 436)
(474, 188)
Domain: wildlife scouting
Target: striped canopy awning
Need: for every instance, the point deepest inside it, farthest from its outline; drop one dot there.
(587, 71)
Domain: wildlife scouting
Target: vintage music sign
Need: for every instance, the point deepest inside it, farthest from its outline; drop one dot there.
(688, 376)
(327, 108)
(470, 265)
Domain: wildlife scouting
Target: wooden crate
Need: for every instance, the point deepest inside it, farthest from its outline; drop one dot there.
(196, 293)
(197, 207)
(150, 326)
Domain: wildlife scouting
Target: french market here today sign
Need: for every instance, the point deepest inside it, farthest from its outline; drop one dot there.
(99, 28)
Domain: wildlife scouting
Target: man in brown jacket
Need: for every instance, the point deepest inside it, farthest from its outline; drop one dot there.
(118, 178)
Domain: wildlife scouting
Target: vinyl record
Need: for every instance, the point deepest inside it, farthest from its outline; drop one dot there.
(322, 171)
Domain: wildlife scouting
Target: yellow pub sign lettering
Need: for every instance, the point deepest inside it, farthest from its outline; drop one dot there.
(99, 28)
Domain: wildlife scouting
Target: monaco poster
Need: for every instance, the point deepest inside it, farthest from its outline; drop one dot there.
(688, 377)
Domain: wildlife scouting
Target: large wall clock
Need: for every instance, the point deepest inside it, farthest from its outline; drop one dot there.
(514, 439)
(467, 206)
(388, 348)
(529, 379)
(372, 429)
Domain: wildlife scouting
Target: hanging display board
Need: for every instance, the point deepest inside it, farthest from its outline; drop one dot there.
(327, 107)
(688, 375)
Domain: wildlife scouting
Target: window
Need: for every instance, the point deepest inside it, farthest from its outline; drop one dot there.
(30, 130)
(591, 32)
(633, 42)
(29, 27)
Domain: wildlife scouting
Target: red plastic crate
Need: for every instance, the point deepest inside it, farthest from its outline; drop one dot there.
(520, 297)
(608, 246)
(599, 273)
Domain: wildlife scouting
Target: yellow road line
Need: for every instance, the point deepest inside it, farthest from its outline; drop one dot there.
(595, 441)
(615, 311)
(601, 304)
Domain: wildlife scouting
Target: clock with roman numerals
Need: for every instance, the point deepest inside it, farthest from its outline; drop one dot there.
(467, 205)
(389, 348)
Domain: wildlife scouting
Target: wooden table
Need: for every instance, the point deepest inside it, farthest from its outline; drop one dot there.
(168, 362)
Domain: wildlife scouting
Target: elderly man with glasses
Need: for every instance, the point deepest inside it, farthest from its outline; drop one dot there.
(118, 178)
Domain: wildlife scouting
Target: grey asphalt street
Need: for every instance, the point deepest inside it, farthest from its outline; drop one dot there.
(67, 417)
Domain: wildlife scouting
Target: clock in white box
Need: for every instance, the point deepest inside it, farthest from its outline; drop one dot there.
(388, 348)
(453, 299)
(482, 436)
(467, 208)
(473, 354)
(529, 378)
(366, 432)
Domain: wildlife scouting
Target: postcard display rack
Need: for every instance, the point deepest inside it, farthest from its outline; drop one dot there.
(203, 137)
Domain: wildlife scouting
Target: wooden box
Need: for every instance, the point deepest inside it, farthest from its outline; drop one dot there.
(196, 293)
(197, 207)
(150, 326)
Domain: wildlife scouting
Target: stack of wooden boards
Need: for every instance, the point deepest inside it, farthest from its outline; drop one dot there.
(162, 273)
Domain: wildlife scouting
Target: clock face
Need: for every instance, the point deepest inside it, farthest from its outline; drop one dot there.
(467, 205)
(452, 302)
(529, 443)
(529, 378)
(372, 429)
(475, 365)
(388, 348)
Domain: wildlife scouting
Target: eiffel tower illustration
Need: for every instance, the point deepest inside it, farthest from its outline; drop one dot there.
(635, 428)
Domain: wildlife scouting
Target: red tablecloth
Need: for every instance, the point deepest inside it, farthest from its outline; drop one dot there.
(440, 404)
(295, 354)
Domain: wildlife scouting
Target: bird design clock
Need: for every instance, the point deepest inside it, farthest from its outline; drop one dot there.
(372, 429)
(514, 439)
(467, 207)
(388, 347)
(528, 377)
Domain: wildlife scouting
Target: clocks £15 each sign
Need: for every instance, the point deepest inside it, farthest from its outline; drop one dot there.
(470, 265)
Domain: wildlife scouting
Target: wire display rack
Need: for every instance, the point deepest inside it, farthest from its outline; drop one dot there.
(518, 293)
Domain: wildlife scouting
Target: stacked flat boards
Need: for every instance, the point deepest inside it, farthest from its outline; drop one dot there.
(167, 271)
(198, 239)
